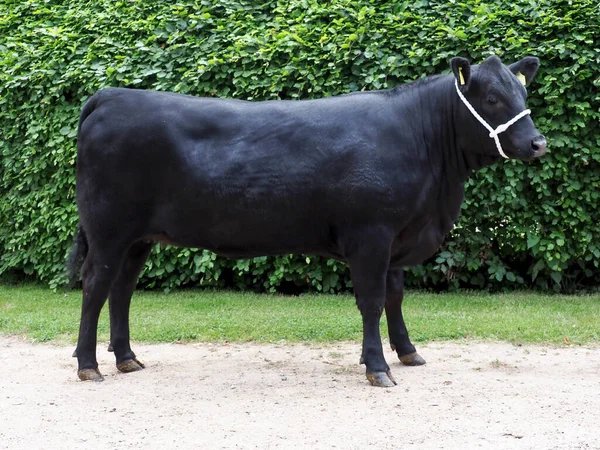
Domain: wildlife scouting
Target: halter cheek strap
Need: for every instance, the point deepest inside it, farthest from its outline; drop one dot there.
(499, 129)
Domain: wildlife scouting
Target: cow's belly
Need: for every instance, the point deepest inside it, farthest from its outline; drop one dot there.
(243, 232)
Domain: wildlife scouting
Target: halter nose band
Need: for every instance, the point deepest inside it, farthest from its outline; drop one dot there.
(499, 129)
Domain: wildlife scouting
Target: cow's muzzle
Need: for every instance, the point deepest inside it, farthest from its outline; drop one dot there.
(538, 146)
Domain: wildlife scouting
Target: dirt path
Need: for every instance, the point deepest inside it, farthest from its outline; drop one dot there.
(248, 396)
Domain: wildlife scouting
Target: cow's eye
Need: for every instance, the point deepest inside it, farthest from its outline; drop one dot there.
(492, 99)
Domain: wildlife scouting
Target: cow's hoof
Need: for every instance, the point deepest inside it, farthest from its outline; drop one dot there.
(381, 379)
(412, 359)
(110, 348)
(90, 375)
(130, 365)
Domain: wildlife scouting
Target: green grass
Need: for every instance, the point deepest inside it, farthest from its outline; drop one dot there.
(200, 315)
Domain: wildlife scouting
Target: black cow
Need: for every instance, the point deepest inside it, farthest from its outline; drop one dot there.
(375, 179)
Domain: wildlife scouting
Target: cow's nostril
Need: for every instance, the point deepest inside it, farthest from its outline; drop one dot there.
(538, 145)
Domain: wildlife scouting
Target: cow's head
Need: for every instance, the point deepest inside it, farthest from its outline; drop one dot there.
(497, 94)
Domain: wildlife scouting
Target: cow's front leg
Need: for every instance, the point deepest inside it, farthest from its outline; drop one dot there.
(399, 339)
(368, 257)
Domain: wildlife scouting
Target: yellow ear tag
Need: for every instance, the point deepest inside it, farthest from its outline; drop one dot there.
(521, 78)
(460, 75)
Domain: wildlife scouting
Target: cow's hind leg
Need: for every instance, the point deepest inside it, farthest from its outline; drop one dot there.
(98, 273)
(119, 302)
(368, 258)
(399, 339)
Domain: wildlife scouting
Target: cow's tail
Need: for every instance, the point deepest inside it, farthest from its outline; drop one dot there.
(80, 244)
(77, 256)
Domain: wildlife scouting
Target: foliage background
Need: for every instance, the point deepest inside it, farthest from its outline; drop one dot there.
(522, 224)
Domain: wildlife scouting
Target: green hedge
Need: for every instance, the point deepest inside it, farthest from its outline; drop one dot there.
(522, 224)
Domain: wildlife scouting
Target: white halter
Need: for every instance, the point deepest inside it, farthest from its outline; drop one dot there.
(499, 129)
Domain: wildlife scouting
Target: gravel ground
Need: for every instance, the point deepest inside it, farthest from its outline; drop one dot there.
(250, 396)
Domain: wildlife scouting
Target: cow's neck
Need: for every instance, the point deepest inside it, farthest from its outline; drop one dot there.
(438, 104)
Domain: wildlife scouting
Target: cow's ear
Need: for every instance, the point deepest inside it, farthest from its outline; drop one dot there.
(525, 69)
(462, 70)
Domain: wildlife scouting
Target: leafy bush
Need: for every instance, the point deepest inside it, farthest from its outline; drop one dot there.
(522, 224)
